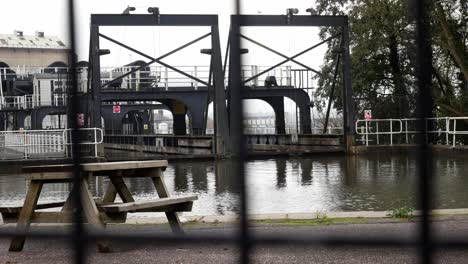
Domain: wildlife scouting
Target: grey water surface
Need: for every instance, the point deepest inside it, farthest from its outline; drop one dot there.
(285, 185)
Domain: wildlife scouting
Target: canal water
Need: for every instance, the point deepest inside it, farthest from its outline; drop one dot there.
(285, 185)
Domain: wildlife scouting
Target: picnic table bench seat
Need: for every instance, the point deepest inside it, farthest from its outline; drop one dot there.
(170, 204)
(17, 208)
(10, 213)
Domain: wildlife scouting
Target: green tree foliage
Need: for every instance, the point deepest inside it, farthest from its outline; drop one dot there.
(383, 56)
(450, 64)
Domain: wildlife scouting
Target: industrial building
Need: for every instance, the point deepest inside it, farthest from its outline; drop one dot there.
(39, 50)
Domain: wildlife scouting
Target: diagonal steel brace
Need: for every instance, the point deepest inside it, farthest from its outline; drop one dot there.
(291, 58)
(279, 53)
(155, 60)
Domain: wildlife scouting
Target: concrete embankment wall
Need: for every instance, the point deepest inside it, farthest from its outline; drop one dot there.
(286, 216)
(408, 148)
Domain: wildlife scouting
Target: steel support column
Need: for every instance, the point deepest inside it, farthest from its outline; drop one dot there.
(95, 106)
(20, 117)
(277, 103)
(348, 104)
(221, 115)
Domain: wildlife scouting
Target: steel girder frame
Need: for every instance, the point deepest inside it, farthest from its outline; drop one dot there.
(217, 89)
(308, 21)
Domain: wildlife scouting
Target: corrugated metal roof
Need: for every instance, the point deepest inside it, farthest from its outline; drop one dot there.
(30, 42)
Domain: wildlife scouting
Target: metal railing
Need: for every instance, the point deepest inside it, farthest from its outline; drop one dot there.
(31, 101)
(454, 131)
(30, 144)
(271, 129)
(153, 76)
(368, 131)
(375, 130)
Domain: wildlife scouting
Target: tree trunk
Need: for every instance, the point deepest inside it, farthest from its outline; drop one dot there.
(454, 43)
(400, 91)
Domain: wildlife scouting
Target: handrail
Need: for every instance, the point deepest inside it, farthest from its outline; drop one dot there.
(161, 74)
(444, 127)
(454, 132)
(391, 132)
(46, 141)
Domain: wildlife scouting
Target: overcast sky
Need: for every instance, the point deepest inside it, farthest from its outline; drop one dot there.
(50, 16)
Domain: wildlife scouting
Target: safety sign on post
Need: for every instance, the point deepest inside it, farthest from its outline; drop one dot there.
(116, 109)
(80, 118)
(367, 114)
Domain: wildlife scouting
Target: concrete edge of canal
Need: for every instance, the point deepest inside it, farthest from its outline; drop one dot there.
(288, 216)
(378, 216)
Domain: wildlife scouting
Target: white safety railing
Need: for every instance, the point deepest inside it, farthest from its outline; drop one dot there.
(30, 101)
(282, 75)
(147, 77)
(330, 130)
(370, 125)
(454, 132)
(410, 127)
(159, 76)
(271, 129)
(407, 127)
(27, 144)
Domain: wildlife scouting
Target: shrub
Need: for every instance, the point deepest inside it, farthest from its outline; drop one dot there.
(402, 212)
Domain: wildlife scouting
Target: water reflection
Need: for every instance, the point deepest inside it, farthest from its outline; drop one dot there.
(306, 173)
(181, 178)
(377, 182)
(280, 174)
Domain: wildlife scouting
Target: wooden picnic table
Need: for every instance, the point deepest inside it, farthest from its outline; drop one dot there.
(97, 212)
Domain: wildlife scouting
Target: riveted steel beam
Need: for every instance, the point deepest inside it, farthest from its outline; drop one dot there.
(150, 20)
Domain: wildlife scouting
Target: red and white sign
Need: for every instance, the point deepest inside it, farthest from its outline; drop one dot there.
(367, 114)
(116, 109)
(80, 119)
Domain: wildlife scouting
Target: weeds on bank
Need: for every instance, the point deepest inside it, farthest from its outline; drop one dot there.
(322, 218)
(402, 212)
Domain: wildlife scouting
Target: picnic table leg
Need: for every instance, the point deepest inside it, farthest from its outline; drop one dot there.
(122, 189)
(163, 192)
(68, 205)
(91, 213)
(110, 194)
(24, 219)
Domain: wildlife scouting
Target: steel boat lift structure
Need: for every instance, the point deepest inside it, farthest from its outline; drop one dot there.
(215, 84)
(101, 92)
(292, 20)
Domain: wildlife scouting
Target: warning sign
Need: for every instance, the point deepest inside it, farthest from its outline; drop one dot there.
(367, 114)
(80, 119)
(178, 108)
(116, 109)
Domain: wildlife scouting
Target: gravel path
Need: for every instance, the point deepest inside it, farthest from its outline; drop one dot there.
(55, 251)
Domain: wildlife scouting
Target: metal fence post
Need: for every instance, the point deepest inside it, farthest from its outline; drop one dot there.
(377, 131)
(427, 133)
(196, 76)
(406, 131)
(391, 132)
(454, 131)
(166, 78)
(447, 130)
(367, 134)
(95, 143)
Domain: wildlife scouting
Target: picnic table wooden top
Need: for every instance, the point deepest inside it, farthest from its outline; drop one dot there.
(98, 166)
